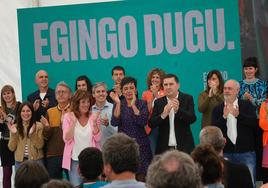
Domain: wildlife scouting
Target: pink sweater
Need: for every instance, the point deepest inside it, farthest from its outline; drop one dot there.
(67, 153)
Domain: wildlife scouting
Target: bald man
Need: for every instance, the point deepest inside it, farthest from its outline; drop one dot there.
(237, 120)
(44, 97)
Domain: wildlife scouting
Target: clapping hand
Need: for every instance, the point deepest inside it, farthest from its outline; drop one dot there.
(36, 104)
(45, 103)
(12, 128)
(115, 97)
(2, 116)
(105, 120)
(44, 121)
(96, 122)
(248, 96)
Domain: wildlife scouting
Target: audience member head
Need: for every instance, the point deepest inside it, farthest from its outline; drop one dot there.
(118, 73)
(57, 184)
(83, 83)
(231, 90)
(155, 77)
(251, 67)
(214, 77)
(173, 169)
(63, 93)
(171, 85)
(90, 164)
(120, 154)
(31, 174)
(7, 97)
(213, 136)
(41, 79)
(210, 164)
(81, 103)
(26, 115)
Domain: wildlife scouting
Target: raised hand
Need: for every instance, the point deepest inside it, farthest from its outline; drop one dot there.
(2, 115)
(248, 96)
(175, 104)
(115, 97)
(154, 89)
(105, 120)
(234, 111)
(117, 89)
(36, 104)
(44, 121)
(96, 122)
(134, 98)
(12, 128)
(45, 103)
(226, 111)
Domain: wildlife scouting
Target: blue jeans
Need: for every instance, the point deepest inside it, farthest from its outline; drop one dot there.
(73, 174)
(246, 158)
(53, 165)
(17, 164)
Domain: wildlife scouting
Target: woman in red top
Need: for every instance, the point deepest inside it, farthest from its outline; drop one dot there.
(154, 91)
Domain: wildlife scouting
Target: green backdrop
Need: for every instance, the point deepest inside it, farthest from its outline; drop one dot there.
(187, 38)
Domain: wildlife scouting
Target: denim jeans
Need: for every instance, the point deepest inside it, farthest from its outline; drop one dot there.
(53, 165)
(246, 158)
(73, 174)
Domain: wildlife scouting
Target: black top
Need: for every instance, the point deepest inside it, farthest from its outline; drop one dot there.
(246, 126)
(182, 121)
(236, 175)
(50, 95)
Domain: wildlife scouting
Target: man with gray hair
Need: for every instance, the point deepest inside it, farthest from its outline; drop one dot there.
(121, 158)
(173, 169)
(235, 175)
(104, 108)
(237, 120)
(52, 131)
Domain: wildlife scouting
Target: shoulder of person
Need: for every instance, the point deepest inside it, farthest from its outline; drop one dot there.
(185, 95)
(33, 95)
(52, 109)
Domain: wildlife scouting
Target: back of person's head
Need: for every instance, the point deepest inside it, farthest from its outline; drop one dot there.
(57, 184)
(173, 169)
(90, 163)
(122, 153)
(213, 136)
(210, 164)
(31, 174)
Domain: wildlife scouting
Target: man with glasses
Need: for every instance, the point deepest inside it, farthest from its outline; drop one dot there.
(53, 131)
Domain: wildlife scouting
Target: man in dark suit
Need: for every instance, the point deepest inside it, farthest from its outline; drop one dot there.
(235, 175)
(173, 114)
(44, 97)
(237, 121)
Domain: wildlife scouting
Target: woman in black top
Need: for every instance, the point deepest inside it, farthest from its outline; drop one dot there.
(8, 110)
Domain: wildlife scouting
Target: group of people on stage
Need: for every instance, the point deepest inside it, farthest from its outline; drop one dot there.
(54, 127)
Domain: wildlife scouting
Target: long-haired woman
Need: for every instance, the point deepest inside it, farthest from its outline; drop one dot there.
(81, 129)
(8, 110)
(26, 136)
(211, 97)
